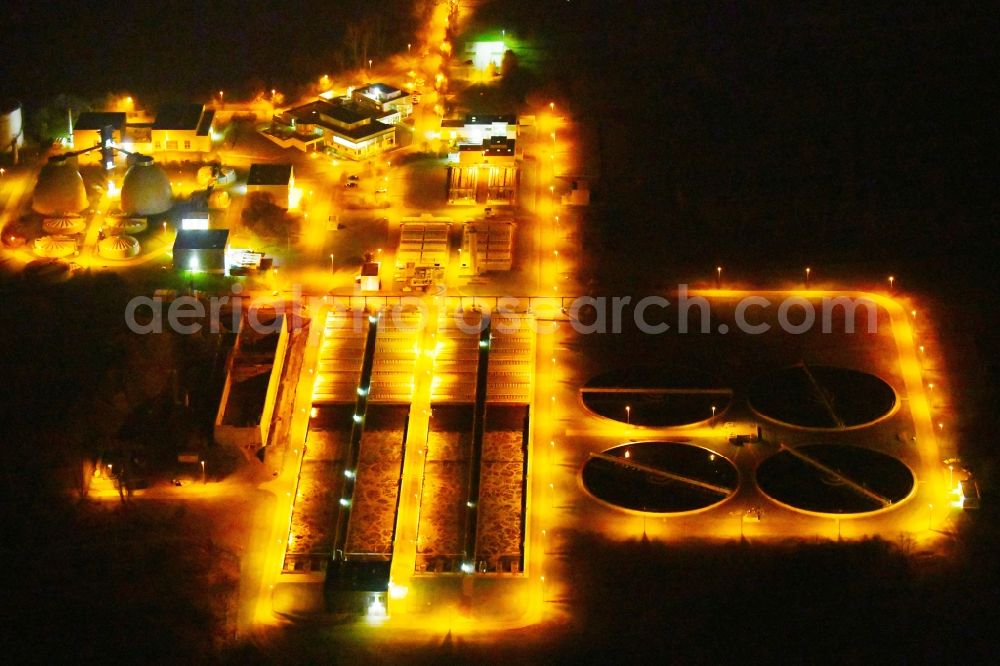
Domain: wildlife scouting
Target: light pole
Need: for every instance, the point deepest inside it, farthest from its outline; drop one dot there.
(628, 414)
(713, 416)
(408, 45)
(203, 472)
(808, 273)
(369, 64)
(718, 277)
(332, 269)
(892, 282)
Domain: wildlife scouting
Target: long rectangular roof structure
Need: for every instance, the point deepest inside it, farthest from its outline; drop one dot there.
(179, 117)
(201, 239)
(95, 120)
(269, 174)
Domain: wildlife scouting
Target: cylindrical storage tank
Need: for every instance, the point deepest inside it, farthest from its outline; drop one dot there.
(59, 190)
(146, 190)
(11, 125)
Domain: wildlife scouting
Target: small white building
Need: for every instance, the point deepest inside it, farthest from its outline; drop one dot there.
(369, 279)
(477, 128)
(186, 130)
(276, 180)
(383, 98)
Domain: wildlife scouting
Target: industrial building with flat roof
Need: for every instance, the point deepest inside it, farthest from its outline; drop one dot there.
(343, 126)
(276, 180)
(201, 250)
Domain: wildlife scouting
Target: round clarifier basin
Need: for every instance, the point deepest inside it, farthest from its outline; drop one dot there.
(834, 478)
(655, 397)
(660, 477)
(821, 397)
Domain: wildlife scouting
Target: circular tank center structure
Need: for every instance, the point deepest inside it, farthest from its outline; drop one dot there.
(655, 397)
(146, 188)
(660, 477)
(834, 478)
(59, 190)
(821, 397)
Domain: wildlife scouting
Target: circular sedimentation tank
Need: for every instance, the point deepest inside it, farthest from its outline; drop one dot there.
(118, 247)
(835, 478)
(822, 397)
(660, 477)
(59, 190)
(146, 188)
(655, 397)
(47, 271)
(55, 246)
(64, 225)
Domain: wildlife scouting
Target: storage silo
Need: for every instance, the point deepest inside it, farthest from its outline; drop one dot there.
(11, 125)
(59, 190)
(146, 189)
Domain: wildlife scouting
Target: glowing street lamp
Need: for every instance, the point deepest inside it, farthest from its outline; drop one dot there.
(718, 277)
(808, 274)
(892, 282)
(408, 45)
(713, 412)
(203, 472)
(628, 414)
(369, 64)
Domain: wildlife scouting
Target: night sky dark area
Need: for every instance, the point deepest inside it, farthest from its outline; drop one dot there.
(181, 49)
(859, 138)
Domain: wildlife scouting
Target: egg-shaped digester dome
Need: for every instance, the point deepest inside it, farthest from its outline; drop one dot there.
(59, 190)
(146, 190)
